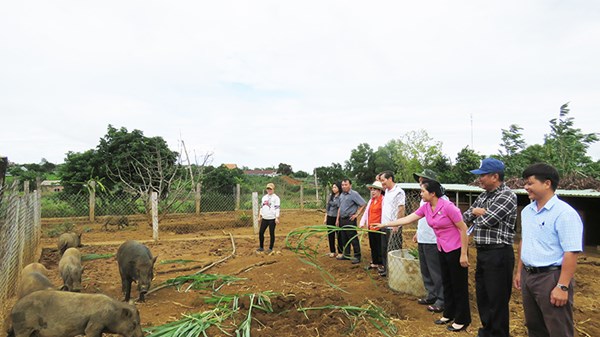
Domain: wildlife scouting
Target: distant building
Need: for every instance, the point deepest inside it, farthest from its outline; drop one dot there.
(230, 166)
(264, 173)
(52, 186)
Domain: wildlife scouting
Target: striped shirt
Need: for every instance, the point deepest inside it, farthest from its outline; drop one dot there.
(550, 232)
(498, 224)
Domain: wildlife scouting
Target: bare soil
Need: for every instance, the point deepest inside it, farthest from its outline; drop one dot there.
(300, 285)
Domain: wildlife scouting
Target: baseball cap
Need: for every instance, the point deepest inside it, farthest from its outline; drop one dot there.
(490, 165)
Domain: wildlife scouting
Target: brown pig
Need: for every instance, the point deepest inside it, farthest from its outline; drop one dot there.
(135, 264)
(33, 281)
(68, 240)
(35, 266)
(49, 313)
(120, 222)
(70, 270)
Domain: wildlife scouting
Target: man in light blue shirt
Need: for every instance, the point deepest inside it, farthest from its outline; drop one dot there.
(552, 236)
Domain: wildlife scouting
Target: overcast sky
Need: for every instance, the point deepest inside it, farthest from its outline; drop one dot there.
(298, 82)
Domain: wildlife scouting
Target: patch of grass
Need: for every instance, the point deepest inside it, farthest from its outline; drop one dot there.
(59, 229)
(298, 242)
(228, 307)
(202, 281)
(414, 252)
(180, 261)
(89, 257)
(370, 313)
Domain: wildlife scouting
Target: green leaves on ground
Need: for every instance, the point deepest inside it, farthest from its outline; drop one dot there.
(89, 257)
(370, 313)
(202, 281)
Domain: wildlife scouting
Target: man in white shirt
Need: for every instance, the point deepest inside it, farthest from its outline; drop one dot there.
(392, 208)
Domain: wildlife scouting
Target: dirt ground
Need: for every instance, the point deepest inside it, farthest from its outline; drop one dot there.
(299, 284)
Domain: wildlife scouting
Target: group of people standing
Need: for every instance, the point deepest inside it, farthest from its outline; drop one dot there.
(551, 237)
(344, 207)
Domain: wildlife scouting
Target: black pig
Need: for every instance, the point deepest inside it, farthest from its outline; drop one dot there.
(135, 264)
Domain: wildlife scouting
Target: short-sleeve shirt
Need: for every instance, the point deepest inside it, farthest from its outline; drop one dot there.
(333, 205)
(550, 232)
(349, 203)
(443, 220)
(425, 233)
(392, 200)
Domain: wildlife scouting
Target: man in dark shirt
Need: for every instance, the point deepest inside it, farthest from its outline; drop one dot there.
(493, 217)
(351, 207)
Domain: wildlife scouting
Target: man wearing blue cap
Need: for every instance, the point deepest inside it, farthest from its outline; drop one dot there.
(493, 218)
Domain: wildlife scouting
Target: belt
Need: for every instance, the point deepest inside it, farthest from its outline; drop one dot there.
(344, 217)
(535, 270)
(492, 246)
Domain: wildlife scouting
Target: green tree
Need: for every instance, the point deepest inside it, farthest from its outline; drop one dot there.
(221, 179)
(360, 164)
(566, 146)
(78, 169)
(383, 158)
(510, 153)
(285, 169)
(300, 174)
(466, 160)
(327, 175)
(138, 163)
(32, 172)
(415, 151)
(443, 167)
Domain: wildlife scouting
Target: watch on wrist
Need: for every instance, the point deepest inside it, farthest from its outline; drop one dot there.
(562, 287)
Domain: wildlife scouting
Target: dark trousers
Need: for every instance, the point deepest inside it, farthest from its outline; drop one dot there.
(542, 318)
(493, 285)
(384, 246)
(375, 244)
(261, 234)
(456, 287)
(349, 237)
(431, 271)
(331, 235)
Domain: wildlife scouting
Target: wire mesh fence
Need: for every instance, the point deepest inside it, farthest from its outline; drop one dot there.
(186, 211)
(20, 220)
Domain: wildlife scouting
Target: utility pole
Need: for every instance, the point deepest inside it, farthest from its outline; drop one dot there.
(472, 147)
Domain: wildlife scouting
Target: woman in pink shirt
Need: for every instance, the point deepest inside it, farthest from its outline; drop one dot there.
(451, 232)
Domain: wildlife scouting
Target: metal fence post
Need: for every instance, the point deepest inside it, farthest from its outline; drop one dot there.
(255, 211)
(154, 201)
(92, 201)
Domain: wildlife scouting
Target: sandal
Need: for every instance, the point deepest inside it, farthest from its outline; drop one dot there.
(425, 301)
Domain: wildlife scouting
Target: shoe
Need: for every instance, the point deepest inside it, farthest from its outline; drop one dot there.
(442, 321)
(342, 257)
(355, 261)
(331, 254)
(454, 329)
(435, 308)
(260, 249)
(425, 301)
(269, 251)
